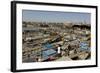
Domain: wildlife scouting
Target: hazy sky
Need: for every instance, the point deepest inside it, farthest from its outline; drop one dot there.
(54, 16)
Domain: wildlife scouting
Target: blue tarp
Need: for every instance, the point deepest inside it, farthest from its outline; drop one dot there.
(47, 53)
(47, 46)
(84, 46)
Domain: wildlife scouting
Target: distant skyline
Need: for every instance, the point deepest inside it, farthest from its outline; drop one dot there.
(55, 16)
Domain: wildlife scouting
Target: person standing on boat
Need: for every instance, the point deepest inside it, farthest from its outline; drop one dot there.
(59, 50)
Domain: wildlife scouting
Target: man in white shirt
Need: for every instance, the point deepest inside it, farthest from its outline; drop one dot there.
(59, 51)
